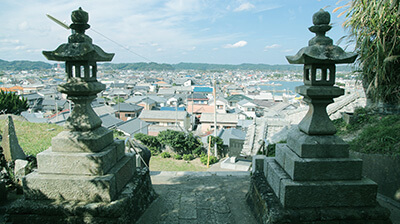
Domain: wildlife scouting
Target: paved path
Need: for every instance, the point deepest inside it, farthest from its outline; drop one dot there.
(199, 197)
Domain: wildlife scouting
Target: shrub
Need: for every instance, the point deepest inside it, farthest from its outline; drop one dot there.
(381, 137)
(198, 151)
(179, 141)
(220, 144)
(150, 141)
(11, 103)
(188, 157)
(213, 159)
(165, 155)
(177, 157)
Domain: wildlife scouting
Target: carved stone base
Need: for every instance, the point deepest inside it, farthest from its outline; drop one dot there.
(76, 141)
(136, 196)
(43, 186)
(267, 208)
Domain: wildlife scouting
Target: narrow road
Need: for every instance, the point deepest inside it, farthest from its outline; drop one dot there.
(199, 197)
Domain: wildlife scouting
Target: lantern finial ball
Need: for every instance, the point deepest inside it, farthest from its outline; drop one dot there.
(321, 17)
(80, 16)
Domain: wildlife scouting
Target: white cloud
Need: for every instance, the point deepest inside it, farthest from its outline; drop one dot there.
(160, 50)
(273, 46)
(20, 47)
(23, 26)
(10, 41)
(244, 7)
(287, 50)
(238, 44)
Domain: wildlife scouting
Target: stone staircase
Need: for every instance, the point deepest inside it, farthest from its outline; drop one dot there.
(256, 132)
(346, 100)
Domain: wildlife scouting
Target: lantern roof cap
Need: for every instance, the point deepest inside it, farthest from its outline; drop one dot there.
(79, 46)
(320, 49)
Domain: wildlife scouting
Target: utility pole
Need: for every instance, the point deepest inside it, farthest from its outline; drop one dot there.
(193, 118)
(215, 117)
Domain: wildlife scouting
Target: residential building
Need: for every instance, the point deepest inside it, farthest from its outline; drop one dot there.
(127, 111)
(247, 107)
(166, 119)
(233, 99)
(223, 121)
(222, 104)
(197, 98)
(133, 126)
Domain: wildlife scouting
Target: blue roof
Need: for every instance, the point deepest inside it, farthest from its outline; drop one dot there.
(203, 89)
(172, 109)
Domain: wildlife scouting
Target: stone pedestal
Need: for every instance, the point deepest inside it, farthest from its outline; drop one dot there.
(312, 179)
(81, 176)
(127, 207)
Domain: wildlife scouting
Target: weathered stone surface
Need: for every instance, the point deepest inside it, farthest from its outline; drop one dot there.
(91, 141)
(313, 146)
(259, 164)
(300, 169)
(123, 171)
(384, 170)
(316, 121)
(69, 187)
(313, 194)
(80, 187)
(77, 162)
(11, 148)
(21, 168)
(275, 175)
(127, 208)
(267, 208)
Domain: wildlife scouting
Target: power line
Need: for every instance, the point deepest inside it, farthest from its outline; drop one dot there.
(67, 27)
(121, 45)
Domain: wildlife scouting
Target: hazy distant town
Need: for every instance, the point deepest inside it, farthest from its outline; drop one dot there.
(162, 97)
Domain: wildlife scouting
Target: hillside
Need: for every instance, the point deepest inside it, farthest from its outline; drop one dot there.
(152, 66)
(24, 65)
(32, 137)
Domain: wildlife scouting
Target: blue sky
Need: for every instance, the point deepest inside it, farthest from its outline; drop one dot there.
(169, 31)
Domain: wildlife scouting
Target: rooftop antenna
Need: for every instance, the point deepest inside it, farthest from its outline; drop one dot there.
(58, 22)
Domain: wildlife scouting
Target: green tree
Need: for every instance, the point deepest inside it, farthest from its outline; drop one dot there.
(375, 28)
(180, 142)
(11, 103)
(150, 141)
(118, 99)
(220, 144)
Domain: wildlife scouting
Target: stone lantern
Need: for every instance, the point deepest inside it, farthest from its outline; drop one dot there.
(312, 179)
(84, 162)
(85, 174)
(320, 59)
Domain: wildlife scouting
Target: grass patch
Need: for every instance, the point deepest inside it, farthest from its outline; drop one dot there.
(157, 163)
(33, 137)
(371, 133)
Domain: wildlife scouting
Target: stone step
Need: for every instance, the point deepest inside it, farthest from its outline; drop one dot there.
(303, 169)
(73, 187)
(314, 194)
(74, 141)
(80, 163)
(316, 146)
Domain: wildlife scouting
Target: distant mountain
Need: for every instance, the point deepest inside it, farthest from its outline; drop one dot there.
(152, 66)
(24, 65)
(245, 66)
(141, 66)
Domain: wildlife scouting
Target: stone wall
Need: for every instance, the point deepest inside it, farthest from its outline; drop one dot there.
(384, 170)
